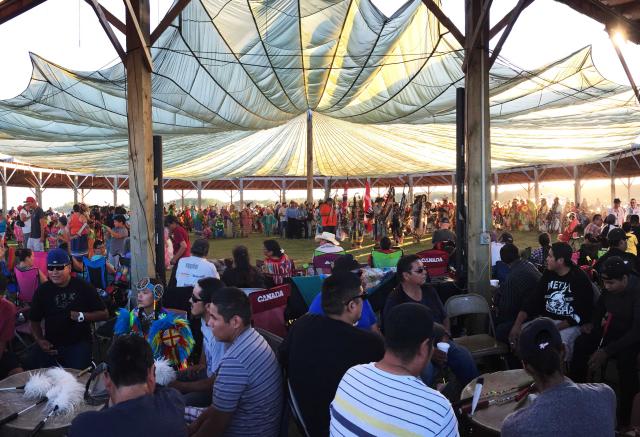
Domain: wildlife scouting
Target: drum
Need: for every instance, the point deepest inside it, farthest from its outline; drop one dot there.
(498, 386)
(14, 400)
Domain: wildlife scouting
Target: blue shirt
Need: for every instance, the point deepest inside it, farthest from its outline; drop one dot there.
(367, 319)
(213, 349)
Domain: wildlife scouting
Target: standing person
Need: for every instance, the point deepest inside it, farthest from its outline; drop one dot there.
(38, 233)
(329, 216)
(618, 211)
(25, 218)
(564, 294)
(277, 266)
(387, 397)
(137, 406)
(118, 234)
(292, 221)
(562, 407)
(68, 306)
(78, 232)
(181, 245)
(268, 222)
(614, 333)
(633, 209)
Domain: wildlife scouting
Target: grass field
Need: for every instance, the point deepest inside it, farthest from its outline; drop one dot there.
(301, 250)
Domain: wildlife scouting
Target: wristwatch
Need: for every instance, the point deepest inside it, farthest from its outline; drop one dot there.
(80, 317)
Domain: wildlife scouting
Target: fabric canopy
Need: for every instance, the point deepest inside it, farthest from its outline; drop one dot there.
(233, 82)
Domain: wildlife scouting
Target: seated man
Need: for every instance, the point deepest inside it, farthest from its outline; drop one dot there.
(197, 266)
(615, 332)
(68, 306)
(196, 382)
(414, 288)
(562, 407)
(319, 349)
(443, 233)
(564, 294)
(519, 284)
(9, 364)
(247, 391)
(328, 244)
(385, 256)
(387, 397)
(136, 405)
(367, 320)
(617, 239)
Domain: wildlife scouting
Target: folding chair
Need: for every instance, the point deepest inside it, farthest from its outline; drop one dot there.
(96, 272)
(479, 345)
(324, 263)
(40, 261)
(267, 308)
(435, 261)
(28, 281)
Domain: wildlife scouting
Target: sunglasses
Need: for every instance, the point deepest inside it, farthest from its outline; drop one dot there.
(57, 267)
(196, 299)
(364, 296)
(418, 271)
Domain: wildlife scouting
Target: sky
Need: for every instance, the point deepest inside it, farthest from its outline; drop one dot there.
(67, 32)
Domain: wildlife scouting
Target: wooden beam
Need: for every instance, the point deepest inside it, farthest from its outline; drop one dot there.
(107, 28)
(471, 43)
(168, 19)
(133, 20)
(513, 17)
(10, 9)
(505, 20)
(624, 66)
(112, 19)
(310, 157)
(446, 22)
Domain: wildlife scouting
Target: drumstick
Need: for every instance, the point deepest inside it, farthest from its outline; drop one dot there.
(477, 391)
(43, 422)
(85, 371)
(12, 388)
(18, 413)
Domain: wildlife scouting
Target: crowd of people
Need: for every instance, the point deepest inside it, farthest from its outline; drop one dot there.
(353, 366)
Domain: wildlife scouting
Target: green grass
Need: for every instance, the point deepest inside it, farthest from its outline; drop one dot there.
(301, 250)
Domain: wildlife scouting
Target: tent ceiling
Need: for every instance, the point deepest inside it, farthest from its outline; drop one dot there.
(233, 81)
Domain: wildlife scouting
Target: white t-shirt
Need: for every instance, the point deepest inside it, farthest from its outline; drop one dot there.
(26, 219)
(193, 268)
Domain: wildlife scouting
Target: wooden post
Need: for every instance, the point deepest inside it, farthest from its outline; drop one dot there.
(199, 185)
(140, 145)
(528, 190)
(241, 190)
(309, 157)
(536, 185)
(284, 191)
(478, 150)
(182, 198)
(577, 185)
(410, 189)
(327, 188)
(115, 191)
(495, 186)
(75, 189)
(4, 191)
(82, 195)
(453, 187)
(612, 172)
(428, 193)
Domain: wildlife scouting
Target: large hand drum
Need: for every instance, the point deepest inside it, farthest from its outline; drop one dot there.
(497, 386)
(14, 400)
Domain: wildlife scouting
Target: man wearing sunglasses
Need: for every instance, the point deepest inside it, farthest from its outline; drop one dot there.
(414, 289)
(68, 306)
(319, 349)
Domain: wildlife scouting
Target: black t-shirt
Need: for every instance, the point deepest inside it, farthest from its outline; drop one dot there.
(36, 229)
(157, 415)
(430, 299)
(317, 353)
(569, 297)
(54, 304)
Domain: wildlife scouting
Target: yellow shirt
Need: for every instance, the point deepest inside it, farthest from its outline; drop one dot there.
(632, 243)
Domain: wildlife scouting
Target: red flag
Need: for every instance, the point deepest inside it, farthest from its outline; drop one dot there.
(367, 207)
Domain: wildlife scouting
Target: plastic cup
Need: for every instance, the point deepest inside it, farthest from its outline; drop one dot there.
(443, 346)
(494, 282)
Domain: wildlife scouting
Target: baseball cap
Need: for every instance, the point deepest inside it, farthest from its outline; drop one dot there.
(57, 257)
(506, 238)
(615, 268)
(617, 234)
(345, 263)
(30, 200)
(538, 335)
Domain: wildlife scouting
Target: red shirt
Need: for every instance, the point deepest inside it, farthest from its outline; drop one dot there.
(7, 319)
(178, 236)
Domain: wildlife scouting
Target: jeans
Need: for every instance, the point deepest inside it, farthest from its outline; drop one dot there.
(75, 356)
(461, 363)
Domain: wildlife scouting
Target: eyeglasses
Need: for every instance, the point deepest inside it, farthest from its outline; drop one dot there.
(196, 299)
(418, 271)
(357, 272)
(364, 296)
(57, 267)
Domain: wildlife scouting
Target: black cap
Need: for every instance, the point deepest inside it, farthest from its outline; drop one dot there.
(506, 237)
(345, 263)
(529, 344)
(615, 268)
(617, 234)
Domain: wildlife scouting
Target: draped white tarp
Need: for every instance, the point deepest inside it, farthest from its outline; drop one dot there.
(233, 80)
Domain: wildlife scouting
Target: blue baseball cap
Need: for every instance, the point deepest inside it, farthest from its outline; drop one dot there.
(57, 257)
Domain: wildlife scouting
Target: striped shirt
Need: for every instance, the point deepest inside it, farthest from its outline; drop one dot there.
(249, 385)
(371, 402)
